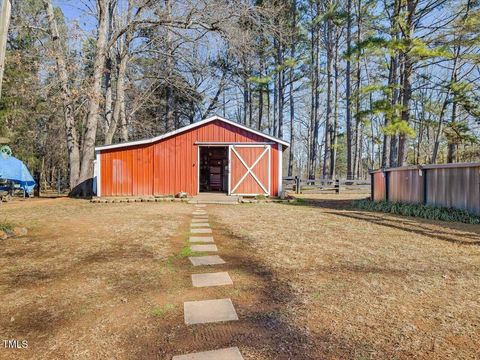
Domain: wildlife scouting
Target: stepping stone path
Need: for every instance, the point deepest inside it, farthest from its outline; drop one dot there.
(206, 260)
(201, 239)
(208, 311)
(207, 247)
(211, 279)
(222, 354)
(203, 224)
(201, 231)
(199, 220)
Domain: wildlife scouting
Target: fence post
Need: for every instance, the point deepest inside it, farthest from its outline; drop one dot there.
(372, 186)
(424, 173)
(387, 182)
(337, 186)
(385, 177)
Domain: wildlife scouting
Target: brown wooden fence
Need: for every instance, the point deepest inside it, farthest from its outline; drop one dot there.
(316, 186)
(450, 185)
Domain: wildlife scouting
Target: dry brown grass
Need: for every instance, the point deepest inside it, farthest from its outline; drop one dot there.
(367, 285)
(311, 281)
(86, 277)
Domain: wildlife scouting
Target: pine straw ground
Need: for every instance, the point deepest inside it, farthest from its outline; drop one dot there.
(312, 280)
(368, 285)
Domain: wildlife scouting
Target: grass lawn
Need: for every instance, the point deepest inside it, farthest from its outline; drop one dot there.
(311, 280)
(88, 278)
(366, 285)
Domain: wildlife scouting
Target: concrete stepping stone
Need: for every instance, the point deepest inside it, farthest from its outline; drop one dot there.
(211, 279)
(221, 354)
(200, 205)
(201, 231)
(207, 247)
(199, 220)
(200, 239)
(206, 260)
(208, 311)
(199, 212)
(204, 224)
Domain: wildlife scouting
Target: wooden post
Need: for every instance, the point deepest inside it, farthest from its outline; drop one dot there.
(387, 182)
(297, 184)
(337, 186)
(372, 186)
(424, 174)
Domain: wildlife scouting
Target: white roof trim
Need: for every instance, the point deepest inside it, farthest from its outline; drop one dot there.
(188, 127)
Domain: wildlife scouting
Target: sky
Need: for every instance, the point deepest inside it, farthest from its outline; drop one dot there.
(76, 10)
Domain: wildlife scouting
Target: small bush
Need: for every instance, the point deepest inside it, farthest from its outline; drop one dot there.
(418, 210)
(4, 226)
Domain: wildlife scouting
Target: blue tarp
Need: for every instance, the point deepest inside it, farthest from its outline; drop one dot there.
(13, 169)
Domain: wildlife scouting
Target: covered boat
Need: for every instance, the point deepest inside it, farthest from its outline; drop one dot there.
(14, 170)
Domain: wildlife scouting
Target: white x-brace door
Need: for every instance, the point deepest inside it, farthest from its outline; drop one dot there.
(244, 171)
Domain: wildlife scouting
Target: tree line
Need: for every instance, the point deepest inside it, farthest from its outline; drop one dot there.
(352, 85)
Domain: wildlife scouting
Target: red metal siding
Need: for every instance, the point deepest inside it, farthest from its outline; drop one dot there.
(170, 165)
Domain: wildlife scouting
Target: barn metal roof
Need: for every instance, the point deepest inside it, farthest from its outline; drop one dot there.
(189, 127)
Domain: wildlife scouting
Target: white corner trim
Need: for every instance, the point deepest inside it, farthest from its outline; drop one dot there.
(97, 173)
(280, 169)
(189, 127)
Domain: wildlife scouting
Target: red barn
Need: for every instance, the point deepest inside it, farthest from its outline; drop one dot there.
(214, 154)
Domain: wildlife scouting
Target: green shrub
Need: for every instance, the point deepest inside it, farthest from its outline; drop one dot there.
(4, 226)
(418, 210)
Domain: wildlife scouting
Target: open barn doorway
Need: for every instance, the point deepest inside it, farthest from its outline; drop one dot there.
(213, 169)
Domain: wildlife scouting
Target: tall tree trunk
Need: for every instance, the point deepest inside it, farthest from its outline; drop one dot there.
(405, 115)
(453, 78)
(406, 79)
(123, 121)
(291, 87)
(452, 146)
(119, 100)
(333, 133)
(281, 91)
(315, 118)
(348, 92)
(108, 100)
(390, 142)
(250, 105)
(269, 120)
(328, 118)
(246, 99)
(275, 103)
(94, 96)
(169, 96)
(358, 119)
(260, 108)
(66, 97)
(392, 80)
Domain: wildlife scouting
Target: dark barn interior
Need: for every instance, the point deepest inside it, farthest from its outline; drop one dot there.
(214, 169)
